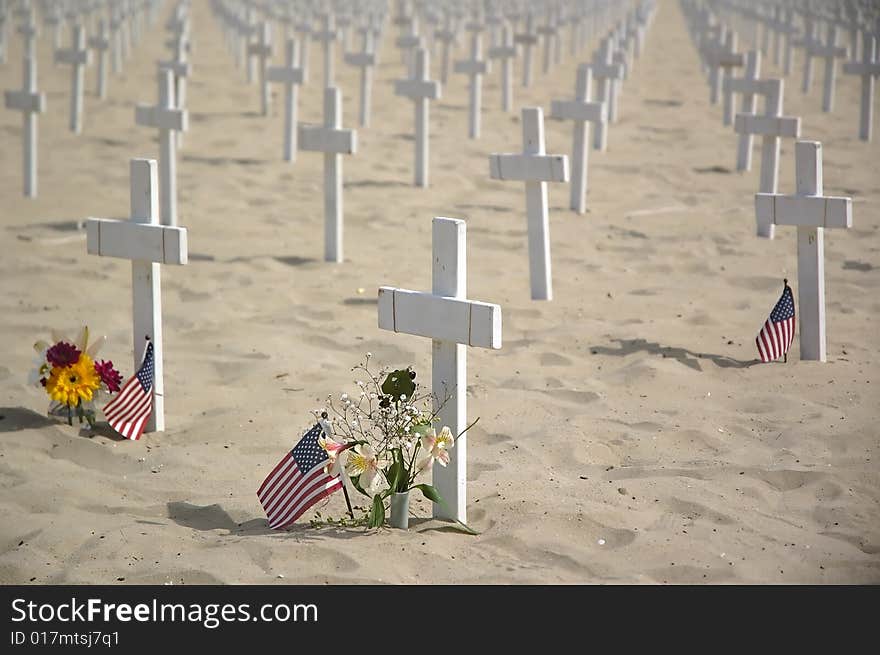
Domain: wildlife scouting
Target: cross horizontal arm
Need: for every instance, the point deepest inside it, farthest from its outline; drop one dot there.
(744, 85)
(179, 68)
(806, 211)
(576, 110)
(73, 57)
(284, 75)
(767, 125)
(360, 59)
(98, 43)
(502, 52)
(141, 241)
(25, 101)
(417, 89)
(159, 117)
(605, 71)
(469, 322)
(862, 68)
(325, 139)
(470, 67)
(529, 168)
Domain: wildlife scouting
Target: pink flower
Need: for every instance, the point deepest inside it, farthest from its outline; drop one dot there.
(109, 375)
(63, 354)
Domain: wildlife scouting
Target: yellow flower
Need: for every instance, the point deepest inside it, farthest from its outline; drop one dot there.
(72, 384)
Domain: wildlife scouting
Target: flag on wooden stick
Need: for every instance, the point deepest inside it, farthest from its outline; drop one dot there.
(777, 333)
(130, 410)
(298, 481)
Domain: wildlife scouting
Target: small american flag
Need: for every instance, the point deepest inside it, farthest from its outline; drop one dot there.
(129, 412)
(776, 335)
(298, 482)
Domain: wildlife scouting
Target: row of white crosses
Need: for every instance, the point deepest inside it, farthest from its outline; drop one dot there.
(717, 45)
(862, 60)
(808, 209)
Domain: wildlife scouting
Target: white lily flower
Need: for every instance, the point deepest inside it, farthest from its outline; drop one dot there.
(437, 448)
(363, 462)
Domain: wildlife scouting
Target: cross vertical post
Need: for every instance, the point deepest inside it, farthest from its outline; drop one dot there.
(291, 76)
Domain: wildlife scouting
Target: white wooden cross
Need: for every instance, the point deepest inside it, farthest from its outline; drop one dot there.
(420, 89)
(78, 56)
(116, 39)
(52, 18)
(30, 102)
(448, 37)
(549, 31)
(181, 70)
(101, 43)
(535, 168)
(721, 57)
(772, 126)
(528, 39)
(147, 244)
(830, 52)
(365, 60)
(785, 29)
(474, 67)
(168, 119)
(3, 34)
(291, 76)
(607, 75)
(248, 30)
(333, 141)
(811, 212)
(452, 322)
(750, 87)
(262, 49)
(29, 33)
(506, 52)
(868, 68)
(745, 85)
(809, 42)
(582, 112)
(409, 42)
(304, 30)
(328, 37)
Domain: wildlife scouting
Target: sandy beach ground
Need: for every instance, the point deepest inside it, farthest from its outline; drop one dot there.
(627, 434)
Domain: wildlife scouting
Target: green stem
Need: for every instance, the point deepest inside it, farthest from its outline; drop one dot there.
(69, 415)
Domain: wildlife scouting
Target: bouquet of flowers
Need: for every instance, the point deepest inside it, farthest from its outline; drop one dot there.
(72, 376)
(388, 435)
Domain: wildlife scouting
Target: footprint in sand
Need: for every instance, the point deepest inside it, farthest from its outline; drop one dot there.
(553, 359)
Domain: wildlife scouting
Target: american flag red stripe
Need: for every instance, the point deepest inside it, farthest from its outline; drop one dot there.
(777, 333)
(288, 492)
(130, 410)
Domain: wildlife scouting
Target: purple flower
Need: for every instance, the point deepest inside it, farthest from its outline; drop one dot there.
(109, 375)
(63, 354)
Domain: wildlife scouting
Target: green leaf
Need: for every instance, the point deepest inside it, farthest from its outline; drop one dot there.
(399, 383)
(355, 482)
(393, 475)
(429, 492)
(377, 513)
(464, 527)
